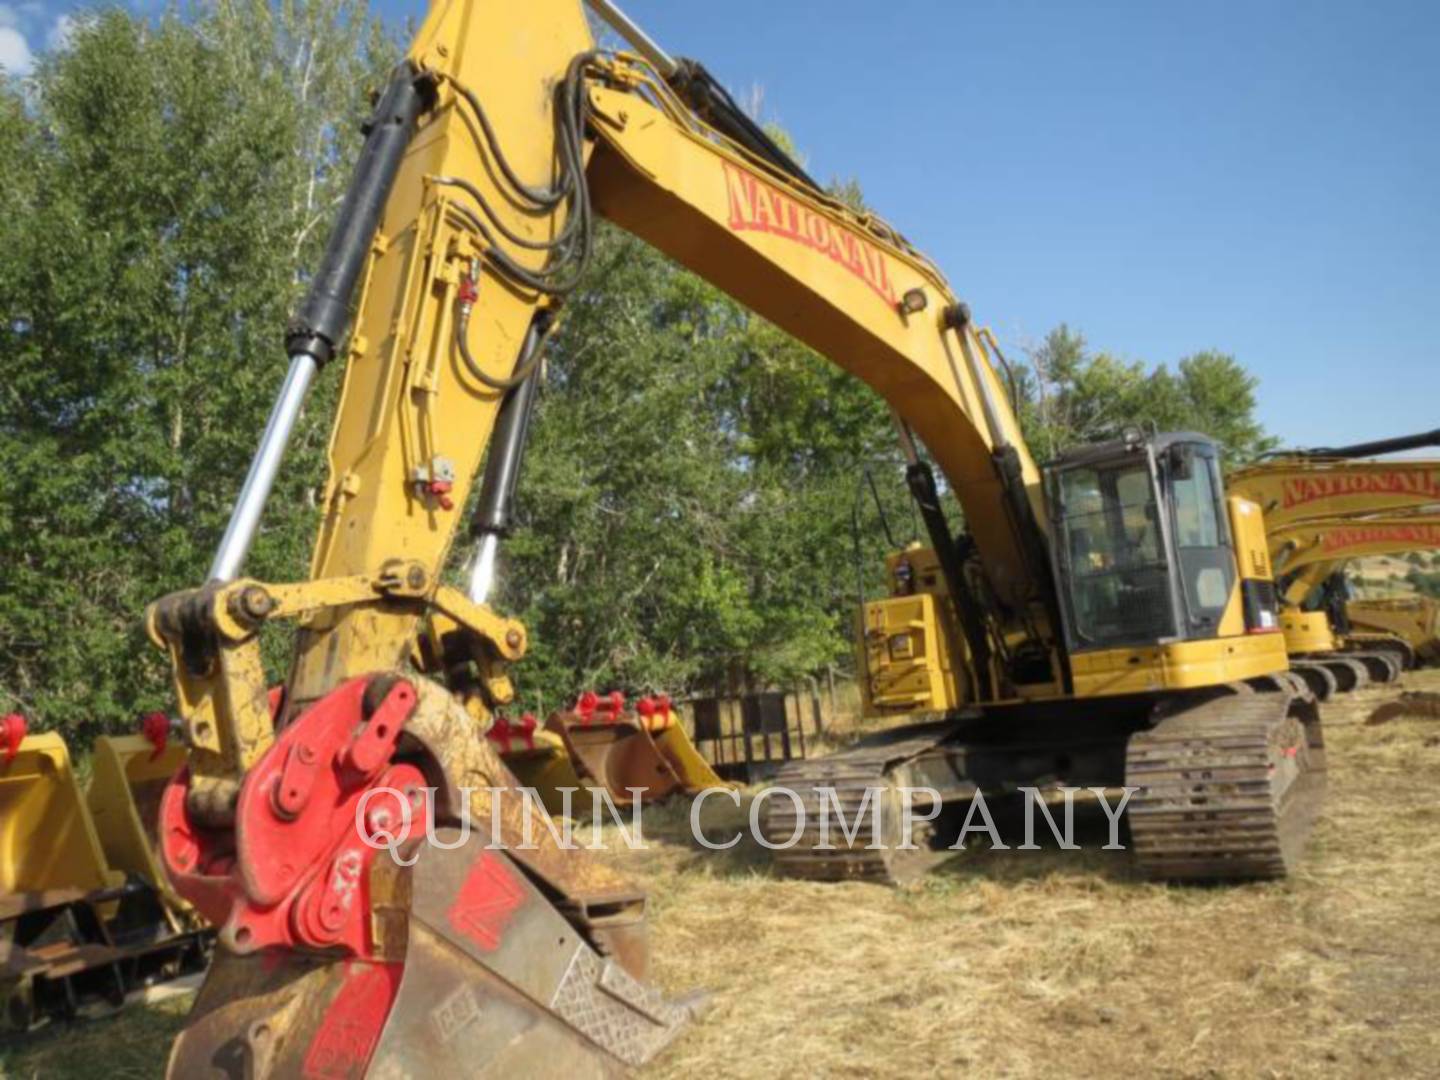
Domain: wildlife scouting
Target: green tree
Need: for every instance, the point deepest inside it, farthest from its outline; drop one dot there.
(1070, 395)
(686, 499)
(165, 183)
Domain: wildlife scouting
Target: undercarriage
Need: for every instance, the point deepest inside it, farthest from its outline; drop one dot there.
(1223, 785)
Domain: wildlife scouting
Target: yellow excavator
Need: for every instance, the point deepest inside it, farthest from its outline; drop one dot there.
(1317, 631)
(382, 908)
(1323, 507)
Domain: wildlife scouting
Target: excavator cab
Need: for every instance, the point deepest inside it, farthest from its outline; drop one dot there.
(1145, 548)
(1149, 552)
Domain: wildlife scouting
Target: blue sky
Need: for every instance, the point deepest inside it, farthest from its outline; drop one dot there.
(1166, 177)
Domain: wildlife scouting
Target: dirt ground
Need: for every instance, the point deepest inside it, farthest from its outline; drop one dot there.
(1019, 964)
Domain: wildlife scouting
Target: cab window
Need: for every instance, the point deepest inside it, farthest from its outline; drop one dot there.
(1118, 577)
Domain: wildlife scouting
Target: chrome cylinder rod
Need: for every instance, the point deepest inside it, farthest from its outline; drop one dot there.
(636, 38)
(482, 570)
(245, 518)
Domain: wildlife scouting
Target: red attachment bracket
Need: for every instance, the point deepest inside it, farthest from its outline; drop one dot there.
(506, 732)
(594, 709)
(654, 712)
(155, 727)
(295, 871)
(12, 734)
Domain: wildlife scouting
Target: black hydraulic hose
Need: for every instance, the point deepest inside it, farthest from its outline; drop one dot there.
(1379, 446)
(541, 197)
(531, 352)
(570, 250)
(713, 103)
(558, 242)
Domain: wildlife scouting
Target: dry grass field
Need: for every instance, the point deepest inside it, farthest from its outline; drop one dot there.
(1022, 964)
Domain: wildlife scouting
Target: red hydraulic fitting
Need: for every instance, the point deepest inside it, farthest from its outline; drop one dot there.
(585, 706)
(469, 290)
(441, 489)
(12, 734)
(611, 706)
(155, 727)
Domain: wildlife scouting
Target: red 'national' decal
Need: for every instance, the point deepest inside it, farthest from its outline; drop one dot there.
(342, 1047)
(1420, 536)
(1405, 482)
(486, 901)
(756, 206)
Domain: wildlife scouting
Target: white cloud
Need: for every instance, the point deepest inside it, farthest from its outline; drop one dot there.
(15, 55)
(59, 35)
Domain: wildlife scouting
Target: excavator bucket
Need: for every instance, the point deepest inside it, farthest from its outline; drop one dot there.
(621, 752)
(129, 774)
(440, 938)
(538, 759)
(695, 773)
(1415, 704)
(86, 913)
(56, 889)
(50, 850)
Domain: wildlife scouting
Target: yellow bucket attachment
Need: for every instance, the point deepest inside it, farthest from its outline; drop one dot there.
(538, 759)
(49, 849)
(693, 770)
(618, 751)
(130, 774)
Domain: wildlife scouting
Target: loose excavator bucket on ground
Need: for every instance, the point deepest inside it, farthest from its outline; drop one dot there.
(128, 778)
(645, 754)
(85, 913)
(539, 760)
(1414, 704)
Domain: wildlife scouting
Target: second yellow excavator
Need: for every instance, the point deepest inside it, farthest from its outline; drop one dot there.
(1111, 619)
(1323, 507)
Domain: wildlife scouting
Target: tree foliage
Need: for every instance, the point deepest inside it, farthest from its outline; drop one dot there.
(687, 493)
(164, 184)
(1070, 395)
